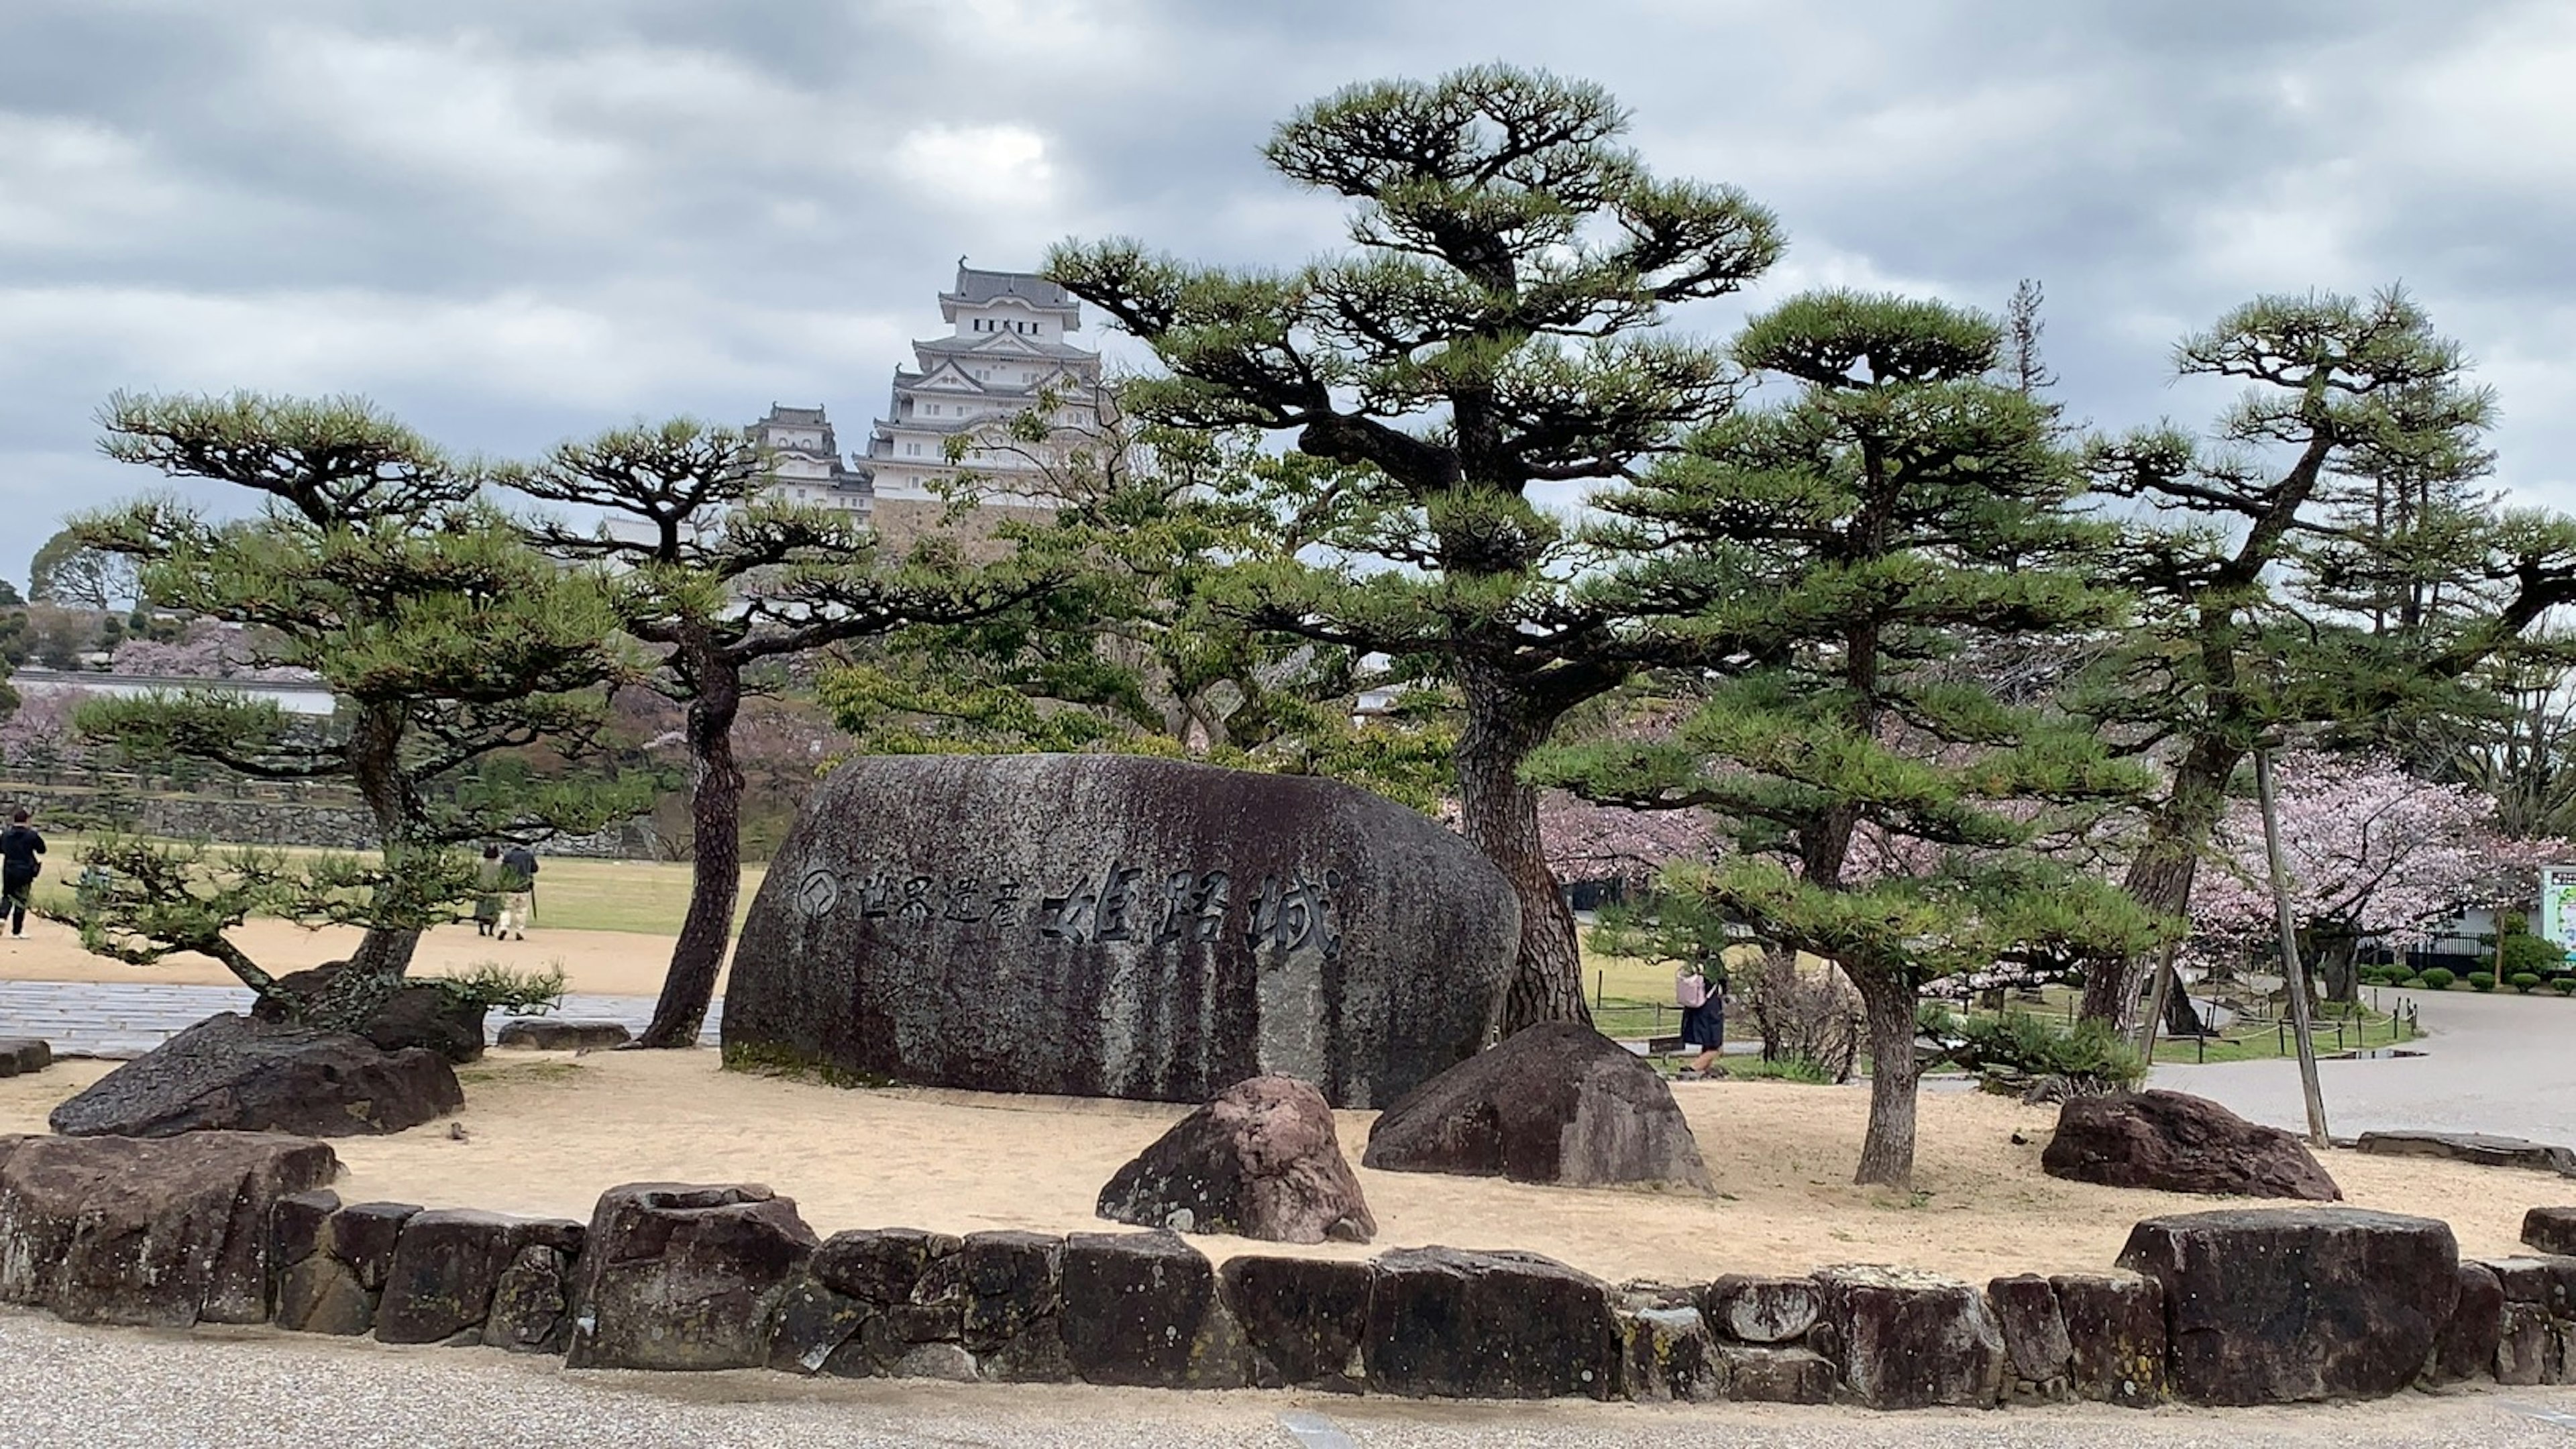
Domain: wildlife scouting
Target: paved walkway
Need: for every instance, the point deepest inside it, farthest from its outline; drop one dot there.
(98, 1019)
(2502, 1063)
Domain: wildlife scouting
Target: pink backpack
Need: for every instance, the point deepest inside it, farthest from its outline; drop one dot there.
(1690, 992)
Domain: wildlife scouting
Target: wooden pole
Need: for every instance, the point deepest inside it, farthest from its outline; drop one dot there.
(2156, 1003)
(2294, 977)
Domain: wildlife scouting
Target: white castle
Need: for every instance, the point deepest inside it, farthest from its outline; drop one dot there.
(1008, 352)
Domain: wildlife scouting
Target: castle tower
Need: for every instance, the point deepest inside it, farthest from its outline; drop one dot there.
(1008, 348)
(807, 462)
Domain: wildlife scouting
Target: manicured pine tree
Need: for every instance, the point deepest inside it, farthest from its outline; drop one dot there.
(1487, 337)
(371, 559)
(2222, 663)
(719, 577)
(1133, 650)
(1887, 811)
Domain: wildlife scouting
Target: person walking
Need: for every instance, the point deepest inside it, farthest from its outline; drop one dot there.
(518, 892)
(487, 903)
(22, 847)
(1703, 1004)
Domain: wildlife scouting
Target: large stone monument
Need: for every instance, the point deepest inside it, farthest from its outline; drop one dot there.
(1109, 926)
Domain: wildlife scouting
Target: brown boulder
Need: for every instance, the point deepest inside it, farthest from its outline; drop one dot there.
(2174, 1142)
(160, 1234)
(675, 1276)
(1261, 1161)
(22, 1054)
(418, 1014)
(2283, 1305)
(230, 1073)
(1559, 1103)
(553, 1034)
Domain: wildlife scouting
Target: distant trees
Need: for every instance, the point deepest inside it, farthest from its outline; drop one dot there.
(69, 571)
(2373, 853)
(1485, 338)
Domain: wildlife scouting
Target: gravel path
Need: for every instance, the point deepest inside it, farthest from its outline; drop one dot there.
(125, 1019)
(62, 1385)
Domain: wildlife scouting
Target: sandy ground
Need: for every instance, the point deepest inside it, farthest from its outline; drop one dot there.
(545, 1133)
(606, 963)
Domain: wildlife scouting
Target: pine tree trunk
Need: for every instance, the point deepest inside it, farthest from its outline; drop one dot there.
(2160, 880)
(1499, 815)
(1887, 1151)
(375, 971)
(715, 871)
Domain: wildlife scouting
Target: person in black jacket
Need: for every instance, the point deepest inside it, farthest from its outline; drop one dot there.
(21, 849)
(518, 892)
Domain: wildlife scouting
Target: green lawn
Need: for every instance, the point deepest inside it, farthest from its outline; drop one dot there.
(572, 894)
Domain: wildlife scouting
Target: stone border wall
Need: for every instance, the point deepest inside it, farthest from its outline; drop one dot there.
(236, 1228)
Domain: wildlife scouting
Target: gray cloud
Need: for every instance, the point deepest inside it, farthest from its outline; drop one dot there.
(512, 223)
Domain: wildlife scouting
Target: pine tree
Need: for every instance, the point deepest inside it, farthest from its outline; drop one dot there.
(1132, 650)
(371, 560)
(2226, 659)
(719, 578)
(1887, 811)
(1485, 339)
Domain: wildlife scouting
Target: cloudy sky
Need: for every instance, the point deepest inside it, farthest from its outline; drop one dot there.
(511, 222)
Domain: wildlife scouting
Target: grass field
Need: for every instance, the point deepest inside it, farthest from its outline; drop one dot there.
(573, 894)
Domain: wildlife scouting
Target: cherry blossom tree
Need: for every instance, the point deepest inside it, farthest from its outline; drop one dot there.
(2372, 854)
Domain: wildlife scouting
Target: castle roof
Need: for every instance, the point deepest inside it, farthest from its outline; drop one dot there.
(795, 417)
(975, 287)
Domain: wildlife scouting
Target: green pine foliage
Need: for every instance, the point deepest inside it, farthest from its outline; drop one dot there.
(371, 559)
(1856, 546)
(1489, 334)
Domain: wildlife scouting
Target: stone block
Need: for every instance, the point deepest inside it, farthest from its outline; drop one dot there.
(2524, 1345)
(2284, 1305)
(2550, 1229)
(365, 1234)
(812, 1324)
(2467, 1348)
(1910, 1340)
(679, 1276)
(2038, 1353)
(1776, 1375)
(2115, 1331)
(20, 1055)
(1303, 1319)
(531, 1305)
(1449, 1324)
(1760, 1310)
(879, 1265)
(1670, 1355)
(1141, 1310)
(158, 1233)
(319, 1294)
(446, 1264)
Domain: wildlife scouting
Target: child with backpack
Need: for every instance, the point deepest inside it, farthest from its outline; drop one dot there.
(1703, 1004)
